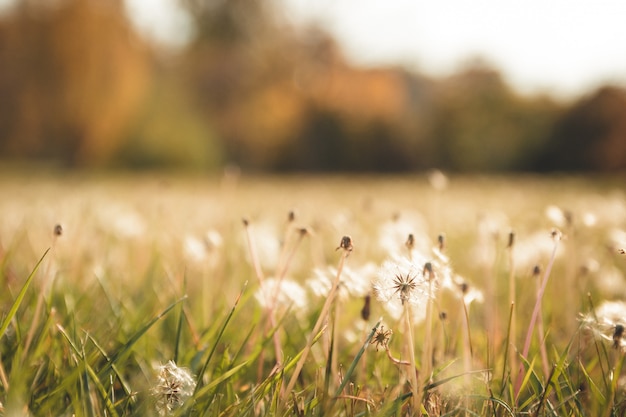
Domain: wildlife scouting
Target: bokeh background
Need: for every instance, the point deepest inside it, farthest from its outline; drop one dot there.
(97, 84)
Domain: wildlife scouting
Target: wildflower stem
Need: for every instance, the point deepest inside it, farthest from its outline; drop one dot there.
(509, 351)
(542, 340)
(427, 351)
(413, 378)
(511, 345)
(468, 351)
(253, 253)
(270, 310)
(47, 278)
(533, 319)
(395, 361)
(614, 376)
(316, 328)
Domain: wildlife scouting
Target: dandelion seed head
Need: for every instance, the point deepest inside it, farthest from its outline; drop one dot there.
(381, 337)
(354, 282)
(438, 180)
(194, 249)
(266, 241)
(173, 387)
(199, 250)
(287, 292)
(213, 240)
(610, 280)
(124, 222)
(534, 249)
(617, 239)
(589, 219)
(404, 285)
(393, 235)
(608, 322)
(400, 282)
(556, 215)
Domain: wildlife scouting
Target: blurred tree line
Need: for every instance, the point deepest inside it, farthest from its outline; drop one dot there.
(80, 87)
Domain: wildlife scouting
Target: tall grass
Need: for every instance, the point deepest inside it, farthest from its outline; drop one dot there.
(153, 298)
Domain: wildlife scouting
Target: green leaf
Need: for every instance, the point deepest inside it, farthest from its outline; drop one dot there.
(20, 297)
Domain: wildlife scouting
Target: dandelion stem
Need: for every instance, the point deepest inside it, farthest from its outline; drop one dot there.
(47, 278)
(542, 339)
(427, 351)
(316, 328)
(511, 346)
(270, 310)
(533, 319)
(413, 378)
(468, 351)
(395, 360)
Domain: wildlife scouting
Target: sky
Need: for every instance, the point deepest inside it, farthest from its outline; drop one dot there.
(563, 47)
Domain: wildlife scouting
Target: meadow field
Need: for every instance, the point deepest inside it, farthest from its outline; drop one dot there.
(237, 295)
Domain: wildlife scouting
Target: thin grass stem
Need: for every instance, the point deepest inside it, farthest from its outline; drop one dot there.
(318, 325)
(535, 314)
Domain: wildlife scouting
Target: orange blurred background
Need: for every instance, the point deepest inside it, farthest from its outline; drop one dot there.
(80, 87)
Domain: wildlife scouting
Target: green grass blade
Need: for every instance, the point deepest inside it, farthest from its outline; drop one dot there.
(20, 296)
(494, 400)
(208, 387)
(101, 390)
(354, 363)
(217, 340)
(179, 326)
(131, 342)
(118, 374)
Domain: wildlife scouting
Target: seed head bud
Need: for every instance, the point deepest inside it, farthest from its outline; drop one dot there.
(536, 271)
(245, 221)
(58, 230)
(617, 335)
(569, 217)
(443, 316)
(381, 337)
(428, 269)
(291, 216)
(346, 244)
(365, 311)
(511, 239)
(441, 241)
(410, 241)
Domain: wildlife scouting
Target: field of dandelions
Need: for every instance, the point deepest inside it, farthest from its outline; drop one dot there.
(160, 295)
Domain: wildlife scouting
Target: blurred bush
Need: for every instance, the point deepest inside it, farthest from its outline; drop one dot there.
(590, 134)
(79, 86)
(71, 78)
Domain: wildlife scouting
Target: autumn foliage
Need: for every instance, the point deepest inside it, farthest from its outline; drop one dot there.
(79, 86)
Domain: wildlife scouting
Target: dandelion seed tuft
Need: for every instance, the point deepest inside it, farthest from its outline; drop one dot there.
(400, 282)
(608, 322)
(174, 386)
(381, 337)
